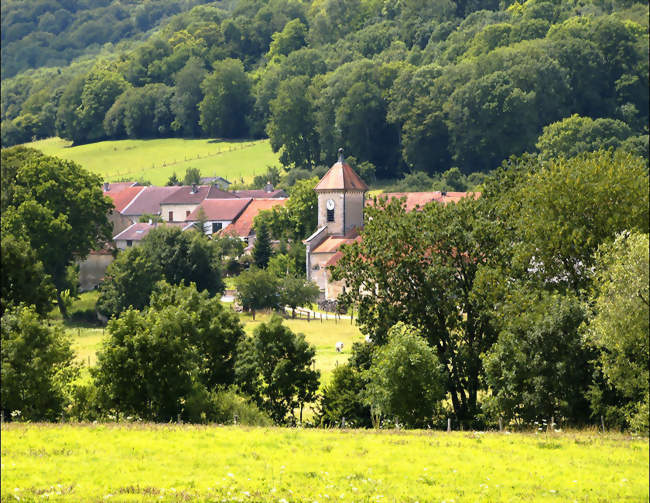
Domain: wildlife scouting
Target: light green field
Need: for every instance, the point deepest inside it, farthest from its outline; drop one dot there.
(156, 160)
(146, 462)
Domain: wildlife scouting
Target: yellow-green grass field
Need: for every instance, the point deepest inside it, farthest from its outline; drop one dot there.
(156, 160)
(169, 462)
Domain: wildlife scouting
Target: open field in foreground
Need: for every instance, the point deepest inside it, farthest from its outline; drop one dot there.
(156, 160)
(145, 462)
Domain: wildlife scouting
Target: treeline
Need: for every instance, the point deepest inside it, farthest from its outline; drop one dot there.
(407, 87)
(54, 32)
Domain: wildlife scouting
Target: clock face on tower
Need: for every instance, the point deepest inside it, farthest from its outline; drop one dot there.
(330, 204)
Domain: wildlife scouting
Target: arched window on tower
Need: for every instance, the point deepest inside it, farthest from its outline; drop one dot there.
(330, 215)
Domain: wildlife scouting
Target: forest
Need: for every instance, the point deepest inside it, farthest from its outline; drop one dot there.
(409, 87)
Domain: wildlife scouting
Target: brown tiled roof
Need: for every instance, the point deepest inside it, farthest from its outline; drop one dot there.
(261, 194)
(122, 198)
(216, 193)
(419, 199)
(219, 209)
(244, 223)
(333, 243)
(118, 186)
(148, 201)
(341, 177)
(185, 195)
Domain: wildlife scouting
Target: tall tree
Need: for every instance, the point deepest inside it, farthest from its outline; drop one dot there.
(227, 100)
(429, 269)
(262, 247)
(187, 96)
(59, 208)
(619, 323)
(275, 368)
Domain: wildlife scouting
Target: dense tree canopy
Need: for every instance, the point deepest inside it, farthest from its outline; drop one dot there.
(414, 86)
(57, 207)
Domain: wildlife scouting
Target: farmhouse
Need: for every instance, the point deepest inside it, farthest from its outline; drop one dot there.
(341, 201)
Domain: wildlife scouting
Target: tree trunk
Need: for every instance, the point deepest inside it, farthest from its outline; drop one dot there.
(62, 308)
(293, 315)
(253, 311)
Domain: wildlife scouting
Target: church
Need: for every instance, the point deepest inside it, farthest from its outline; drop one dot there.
(341, 201)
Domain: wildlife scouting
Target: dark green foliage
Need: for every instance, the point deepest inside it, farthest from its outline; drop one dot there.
(37, 365)
(342, 398)
(257, 289)
(165, 361)
(274, 367)
(57, 207)
(540, 367)
(165, 253)
(405, 380)
(262, 248)
(23, 277)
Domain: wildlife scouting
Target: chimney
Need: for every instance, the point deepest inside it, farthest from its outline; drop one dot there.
(341, 158)
(194, 190)
(107, 187)
(268, 187)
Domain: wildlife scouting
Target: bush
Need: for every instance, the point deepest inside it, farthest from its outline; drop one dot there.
(37, 366)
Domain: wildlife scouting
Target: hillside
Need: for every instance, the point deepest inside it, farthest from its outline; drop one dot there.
(406, 87)
(156, 160)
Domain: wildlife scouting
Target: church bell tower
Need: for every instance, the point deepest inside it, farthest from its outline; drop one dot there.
(341, 196)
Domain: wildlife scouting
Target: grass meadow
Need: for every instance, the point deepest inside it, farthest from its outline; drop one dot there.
(169, 462)
(155, 160)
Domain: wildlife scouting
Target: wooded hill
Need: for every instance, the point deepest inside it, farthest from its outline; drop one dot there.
(402, 86)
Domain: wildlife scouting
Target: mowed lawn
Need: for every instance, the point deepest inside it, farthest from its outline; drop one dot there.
(155, 160)
(169, 462)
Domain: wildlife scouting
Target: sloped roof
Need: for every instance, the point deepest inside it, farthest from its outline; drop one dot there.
(341, 177)
(219, 209)
(185, 195)
(419, 199)
(138, 231)
(332, 243)
(148, 201)
(244, 223)
(261, 193)
(121, 198)
(216, 193)
(118, 186)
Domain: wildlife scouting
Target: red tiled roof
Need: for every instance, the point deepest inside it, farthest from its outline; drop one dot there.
(185, 195)
(123, 197)
(244, 223)
(148, 201)
(220, 209)
(341, 177)
(419, 199)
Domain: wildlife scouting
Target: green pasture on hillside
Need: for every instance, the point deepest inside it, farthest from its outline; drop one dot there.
(170, 462)
(156, 160)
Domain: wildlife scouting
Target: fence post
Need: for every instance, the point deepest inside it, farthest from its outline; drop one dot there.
(602, 423)
(448, 424)
(500, 424)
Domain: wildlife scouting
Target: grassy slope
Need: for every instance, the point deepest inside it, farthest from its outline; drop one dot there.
(156, 160)
(144, 462)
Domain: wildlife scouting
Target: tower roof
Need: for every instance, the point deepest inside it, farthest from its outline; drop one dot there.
(341, 177)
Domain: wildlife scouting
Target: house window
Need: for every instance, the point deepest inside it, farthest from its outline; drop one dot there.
(171, 216)
(330, 215)
(129, 242)
(187, 213)
(216, 227)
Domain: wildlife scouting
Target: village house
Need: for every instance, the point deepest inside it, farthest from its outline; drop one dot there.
(218, 214)
(341, 202)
